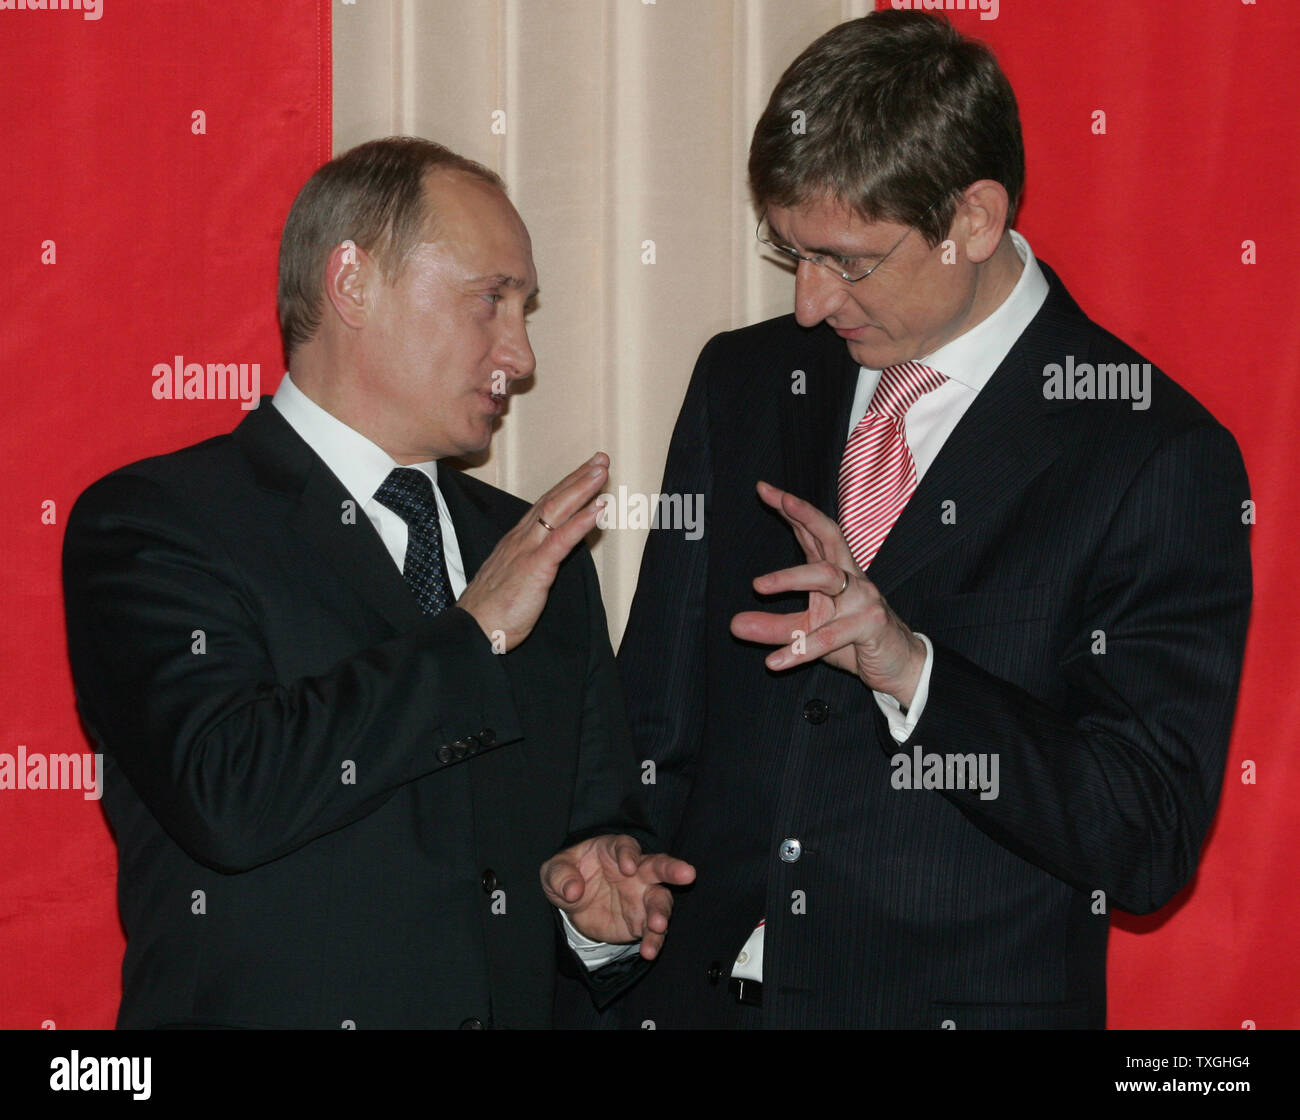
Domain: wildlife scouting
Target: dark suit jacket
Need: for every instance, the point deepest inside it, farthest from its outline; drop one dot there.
(925, 907)
(362, 795)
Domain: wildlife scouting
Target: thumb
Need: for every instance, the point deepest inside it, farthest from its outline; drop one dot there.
(562, 882)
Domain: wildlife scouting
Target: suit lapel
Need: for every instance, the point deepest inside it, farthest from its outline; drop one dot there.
(282, 461)
(814, 424)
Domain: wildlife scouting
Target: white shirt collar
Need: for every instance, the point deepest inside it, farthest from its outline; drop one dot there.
(971, 358)
(358, 463)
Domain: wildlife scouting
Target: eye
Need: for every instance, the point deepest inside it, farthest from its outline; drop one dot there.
(493, 297)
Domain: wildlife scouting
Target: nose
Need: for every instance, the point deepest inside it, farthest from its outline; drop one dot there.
(513, 352)
(817, 293)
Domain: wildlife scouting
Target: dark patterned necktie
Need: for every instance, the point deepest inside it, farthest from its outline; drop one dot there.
(409, 494)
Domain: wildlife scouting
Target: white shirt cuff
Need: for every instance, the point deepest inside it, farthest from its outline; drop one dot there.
(595, 954)
(902, 724)
(749, 961)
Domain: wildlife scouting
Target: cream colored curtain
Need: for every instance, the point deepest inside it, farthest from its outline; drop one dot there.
(622, 129)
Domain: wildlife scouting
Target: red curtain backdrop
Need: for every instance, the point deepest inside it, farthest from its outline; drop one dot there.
(131, 237)
(1147, 224)
(134, 231)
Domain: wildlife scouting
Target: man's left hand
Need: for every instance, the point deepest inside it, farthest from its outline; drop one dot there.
(848, 624)
(614, 892)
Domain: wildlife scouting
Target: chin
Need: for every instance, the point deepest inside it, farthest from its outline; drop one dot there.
(474, 444)
(869, 356)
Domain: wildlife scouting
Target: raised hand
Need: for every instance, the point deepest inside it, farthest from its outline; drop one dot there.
(847, 622)
(612, 891)
(508, 592)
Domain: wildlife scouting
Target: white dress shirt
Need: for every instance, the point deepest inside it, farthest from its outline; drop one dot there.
(968, 362)
(361, 466)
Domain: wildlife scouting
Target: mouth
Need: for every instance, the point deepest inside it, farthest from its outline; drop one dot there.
(852, 333)
(495, 401)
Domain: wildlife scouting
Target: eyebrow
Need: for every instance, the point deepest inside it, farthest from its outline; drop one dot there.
(856, 254)
(501, 280)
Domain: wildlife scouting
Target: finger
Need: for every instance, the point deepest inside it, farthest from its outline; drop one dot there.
(598, 461)
(560, 540)
(786, 504)
(651, 943)
(573, 492)
(627, 853)
(575, 478)
(658, 904)
(819, 535)
(825, 537)
(790, 505)
(813, 549)
(834, 635)
(562, 882)
(773, 496)
(557, 509)
(822, 576)
(769, 629)
(664, 868)
(658, 908)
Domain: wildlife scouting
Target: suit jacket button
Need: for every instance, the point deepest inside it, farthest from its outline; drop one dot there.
(791, 849)
(715, 972)
(816, 711)
(444, 753)
(489, 881)
(460, 749)
(471, 1024)
(472, 741)
(487, 737)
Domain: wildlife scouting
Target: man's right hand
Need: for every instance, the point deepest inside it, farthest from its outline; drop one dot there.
(508, 592)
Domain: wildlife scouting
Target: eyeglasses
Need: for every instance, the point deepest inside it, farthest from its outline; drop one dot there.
(848, 269)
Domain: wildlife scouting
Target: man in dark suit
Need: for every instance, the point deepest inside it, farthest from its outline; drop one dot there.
(350, 699)
(1005, 564)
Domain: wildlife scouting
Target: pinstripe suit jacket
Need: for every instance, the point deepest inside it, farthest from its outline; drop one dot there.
(1077, 523)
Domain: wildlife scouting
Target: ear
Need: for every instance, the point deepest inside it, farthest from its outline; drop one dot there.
(982, 213)
(350, 278)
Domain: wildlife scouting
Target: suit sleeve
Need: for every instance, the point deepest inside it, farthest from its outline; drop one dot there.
(665, 636)
(604, 796)
(237, 766)
(1115, 789)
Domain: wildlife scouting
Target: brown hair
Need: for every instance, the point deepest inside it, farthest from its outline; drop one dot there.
(900, 113)
(372, 194)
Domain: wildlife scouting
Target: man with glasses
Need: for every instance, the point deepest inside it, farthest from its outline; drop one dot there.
(951, 673)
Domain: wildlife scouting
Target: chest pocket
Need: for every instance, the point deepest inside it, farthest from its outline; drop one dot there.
(983, 609)
(1013, 634)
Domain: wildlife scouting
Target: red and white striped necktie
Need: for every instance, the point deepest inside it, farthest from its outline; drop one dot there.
(877, 472)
